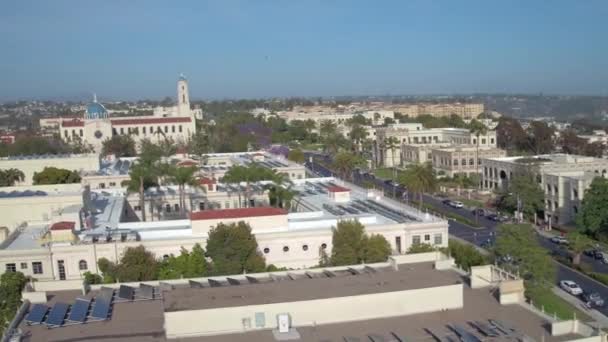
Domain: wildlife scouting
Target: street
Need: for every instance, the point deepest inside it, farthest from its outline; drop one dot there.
(479, 236)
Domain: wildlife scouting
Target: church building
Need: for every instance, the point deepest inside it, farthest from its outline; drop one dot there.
(176, 122)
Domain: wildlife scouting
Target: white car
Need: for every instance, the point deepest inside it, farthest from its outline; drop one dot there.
(560, 240)
(456, 204)
(570, 287)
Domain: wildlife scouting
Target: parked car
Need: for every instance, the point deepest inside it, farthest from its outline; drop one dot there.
(493, 217)
(594, 253)
(478, 212)
(456, 204)
(560, 240)
(446, 202)
(592, 299)
(570, 287)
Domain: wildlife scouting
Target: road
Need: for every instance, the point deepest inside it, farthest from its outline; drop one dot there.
(487, 232)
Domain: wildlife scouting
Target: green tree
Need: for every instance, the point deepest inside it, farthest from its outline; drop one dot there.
(119, 145)
(352, 246)
(53, 175)
(418, 179)
(420, 248)
(357, 134)
(182, 177)
(186, 265)
(233, 249)
(519, 251)
(92, 278)
(11, 176)
(577, 243)
(199, 145)
(296, 155)
(593, 216)
(345, 162)
(465, 255)
(137, 264)
(523, 187)
(11, 285)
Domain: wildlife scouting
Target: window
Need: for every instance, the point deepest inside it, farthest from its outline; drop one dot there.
(73, 132)
(227, 205)
(24, 265)
(575, 193)
(82, 265)
(112, 183)
(102, 185)
(180, 128)
(491, 140)
(166, 257)
(471, 161)
(285, 248)
(173, 129)
(427, 237)
(176, 207)
(166, 129)
(158, 130)
(455, 162)
(137, 208)
(168, 208)
(323, 246)
(266, 250)
(304, 248)
(464, 162)
(65, 133)
(556, 189)
(416, 239)
(37, 267)
(11, 268)
(438, 239)
(483, 141)
(122, 130)
(81, 133)
(144, 130)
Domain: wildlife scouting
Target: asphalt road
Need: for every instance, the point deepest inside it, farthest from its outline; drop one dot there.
(478, 236)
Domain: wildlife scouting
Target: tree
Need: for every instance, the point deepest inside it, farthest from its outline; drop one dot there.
(119, 145)
(523, 189)
(478, 129)
(296, 155)
(593, 216)
(577, 243)
(233, 249)
(327, 128)
(199, 145)
(11, 176)
(352, 246)
(419, 178)
(11, 285)
(53, 175)
(465, 255)
(186, 265)
(345, 162)
(510, 135)
(92, 278)
(540, 136)
(519, 251)
(392, 143)
(137, 264)
(420, 248)
(182, 177)
(357, 134)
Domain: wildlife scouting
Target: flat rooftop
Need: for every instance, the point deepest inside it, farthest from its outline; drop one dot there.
(555, 158)
(143, 320)
(283, 289)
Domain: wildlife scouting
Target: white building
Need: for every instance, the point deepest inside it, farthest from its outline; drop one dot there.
(177, 122)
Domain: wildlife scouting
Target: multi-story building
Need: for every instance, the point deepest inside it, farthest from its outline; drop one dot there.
(563, 178)
(105, 224)
(217, 164)
(462, 159)
(463, 110)
(177, 123)
(338, 117)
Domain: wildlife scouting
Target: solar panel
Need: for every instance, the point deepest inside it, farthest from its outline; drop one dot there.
(106, 293)
(36, 314)
(233, 281)
(57, 314)
(146, 291)
(101, 308)
(126, 292)
(252, 280)
(214, 283)
(195, 284)
(79, 310)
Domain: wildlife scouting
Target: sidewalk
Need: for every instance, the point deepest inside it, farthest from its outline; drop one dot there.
(599, 319)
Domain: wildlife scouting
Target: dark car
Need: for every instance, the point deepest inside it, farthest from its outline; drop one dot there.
(478, 212)
(592, 299)
(493, 217)
(446, 202)
(594, 253)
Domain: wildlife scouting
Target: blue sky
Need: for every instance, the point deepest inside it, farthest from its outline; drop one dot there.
(233, 49)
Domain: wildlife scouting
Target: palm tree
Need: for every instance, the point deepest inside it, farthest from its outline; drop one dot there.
(478, 129)
(141, 178)
(183, 176)
(11, 176)
(357, 134)
(345, 163)
(577, 243)
(419, 178)
(392, 143)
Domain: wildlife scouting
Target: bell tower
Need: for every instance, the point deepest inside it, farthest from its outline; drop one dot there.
(183, 97)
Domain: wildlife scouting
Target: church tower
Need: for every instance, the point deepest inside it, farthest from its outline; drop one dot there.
(183, 97)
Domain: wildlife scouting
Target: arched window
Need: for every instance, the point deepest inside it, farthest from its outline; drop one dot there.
(285, 248)
(323, 246)
(304, 247)
(266, 250)
(82, 265)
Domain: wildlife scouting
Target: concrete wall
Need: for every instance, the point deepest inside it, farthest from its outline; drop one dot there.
(511, 291)
(322, 311)
(481, 276)
(80, 162)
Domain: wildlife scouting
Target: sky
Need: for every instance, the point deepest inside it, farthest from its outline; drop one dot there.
(248, 49)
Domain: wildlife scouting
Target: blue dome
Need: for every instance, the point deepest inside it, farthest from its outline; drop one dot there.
(96, 110)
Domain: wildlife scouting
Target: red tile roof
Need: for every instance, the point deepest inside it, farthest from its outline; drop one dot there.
(206, 180)
(236, 213)
(187, 163)
(149, 121)
(72, 123)
(338, 188)
(63, 225)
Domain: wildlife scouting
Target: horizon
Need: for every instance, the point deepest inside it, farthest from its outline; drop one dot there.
(274, 49)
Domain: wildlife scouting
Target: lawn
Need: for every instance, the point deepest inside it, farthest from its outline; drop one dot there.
(552, 303)
(312, 147)
(385, 173)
